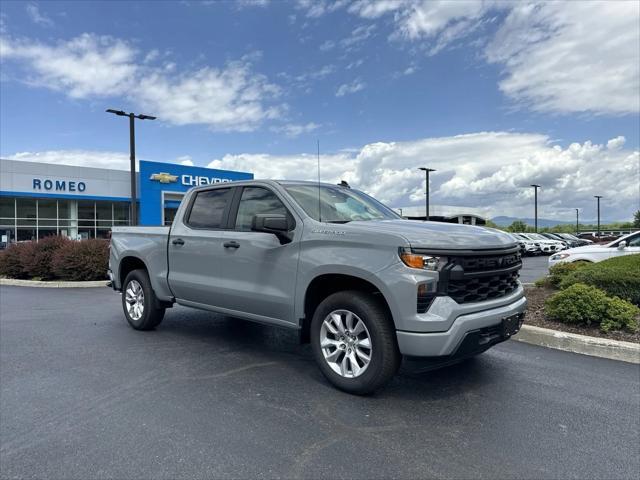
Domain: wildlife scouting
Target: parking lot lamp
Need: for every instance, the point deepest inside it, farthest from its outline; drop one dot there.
(132, 156)
(577, 222)
(598, 197)
(426, 201)
(535, 189)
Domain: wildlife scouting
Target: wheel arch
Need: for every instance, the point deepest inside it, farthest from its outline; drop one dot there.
(327, 284)
(128, 264)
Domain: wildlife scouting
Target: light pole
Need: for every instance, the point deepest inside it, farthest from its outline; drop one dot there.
(132, 157)
(598, 197)
(535, 188)
(577, 222)
(426, 203)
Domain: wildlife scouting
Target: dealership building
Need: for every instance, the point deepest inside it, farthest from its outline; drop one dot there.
(40, 199)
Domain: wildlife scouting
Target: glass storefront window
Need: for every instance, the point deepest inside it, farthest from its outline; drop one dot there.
(63, 209)
(103, 211)
(7, 207)
(121, 211)
(47, 209)
(26, 207)
(25, 234)
(86, 210)
(102, 232)
(46, 232)
(86, 233)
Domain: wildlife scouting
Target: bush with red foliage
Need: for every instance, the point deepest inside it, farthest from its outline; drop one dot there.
(12, 260)
(85, 260)
(37, 260)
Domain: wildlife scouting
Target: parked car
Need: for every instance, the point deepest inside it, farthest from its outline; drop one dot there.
(530, 247)
(579, 242)
(363, 285)
(546, 246)
(556, 238)
(626, 245)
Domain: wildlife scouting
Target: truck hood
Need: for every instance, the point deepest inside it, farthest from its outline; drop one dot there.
(437, 235)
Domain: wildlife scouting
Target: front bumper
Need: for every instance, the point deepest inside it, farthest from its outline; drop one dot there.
(466, 332)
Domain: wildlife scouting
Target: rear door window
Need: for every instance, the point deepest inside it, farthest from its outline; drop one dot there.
(210, 208)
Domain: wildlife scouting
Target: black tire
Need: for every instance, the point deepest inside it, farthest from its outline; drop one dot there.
(385, 355)
(152, 313)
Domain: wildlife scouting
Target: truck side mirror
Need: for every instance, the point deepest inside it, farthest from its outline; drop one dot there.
(274, 223)
(622, 245)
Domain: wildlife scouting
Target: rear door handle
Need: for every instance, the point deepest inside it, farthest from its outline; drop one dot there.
(178, 241)
(231, 244)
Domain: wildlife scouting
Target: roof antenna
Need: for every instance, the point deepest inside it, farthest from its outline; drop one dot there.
(319, 202)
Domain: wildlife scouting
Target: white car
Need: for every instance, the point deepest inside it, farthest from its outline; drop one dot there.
(627, 245)
(546, 245)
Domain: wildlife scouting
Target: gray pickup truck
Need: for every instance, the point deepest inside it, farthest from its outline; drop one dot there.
(358, 282)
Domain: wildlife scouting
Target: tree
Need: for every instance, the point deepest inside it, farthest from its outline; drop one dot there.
(636, 219)
(518, 226)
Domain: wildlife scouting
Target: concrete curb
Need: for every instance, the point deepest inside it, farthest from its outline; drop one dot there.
(54, 284)
(583, 344)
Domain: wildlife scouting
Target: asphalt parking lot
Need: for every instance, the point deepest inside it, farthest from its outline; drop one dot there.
(84, 396)
(534, 268)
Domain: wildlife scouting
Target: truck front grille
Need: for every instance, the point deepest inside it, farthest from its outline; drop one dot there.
(483, 288)
(476, 275)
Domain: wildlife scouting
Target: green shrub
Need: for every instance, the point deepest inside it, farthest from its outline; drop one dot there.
(12, 260)
(37, 263)
(559, 271)
(584, 304)
(619, 276)
(85, 260)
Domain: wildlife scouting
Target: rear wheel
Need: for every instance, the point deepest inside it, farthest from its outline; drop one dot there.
(139, 302)
(354, 342)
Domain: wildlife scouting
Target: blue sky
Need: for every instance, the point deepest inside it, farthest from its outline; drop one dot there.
(480, 89)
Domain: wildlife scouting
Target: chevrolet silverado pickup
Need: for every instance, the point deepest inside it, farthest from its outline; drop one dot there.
(357, 281)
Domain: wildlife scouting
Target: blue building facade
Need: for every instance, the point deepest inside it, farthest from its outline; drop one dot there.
(162, 186)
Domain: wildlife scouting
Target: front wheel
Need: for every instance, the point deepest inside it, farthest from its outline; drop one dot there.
(354, 342)
(139, 302)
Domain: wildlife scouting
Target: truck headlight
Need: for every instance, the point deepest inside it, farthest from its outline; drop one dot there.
(423, 262)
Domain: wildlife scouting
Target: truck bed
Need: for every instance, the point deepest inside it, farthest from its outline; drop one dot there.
(148, 244)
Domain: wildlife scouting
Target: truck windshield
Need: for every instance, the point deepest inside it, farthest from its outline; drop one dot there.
(338, 204)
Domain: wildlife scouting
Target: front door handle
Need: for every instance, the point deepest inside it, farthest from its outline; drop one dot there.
(231, 244)
(178, 241)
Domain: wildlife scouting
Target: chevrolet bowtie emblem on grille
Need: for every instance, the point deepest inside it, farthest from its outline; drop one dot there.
(164, 177)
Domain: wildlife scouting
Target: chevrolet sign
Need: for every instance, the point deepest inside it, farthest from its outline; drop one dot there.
(164, 177)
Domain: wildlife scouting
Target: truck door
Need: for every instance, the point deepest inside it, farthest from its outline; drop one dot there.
(259, 271)
(196, 248)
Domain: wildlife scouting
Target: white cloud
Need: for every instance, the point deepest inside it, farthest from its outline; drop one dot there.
(36, 16)
(369, 9)
(86, 66)
(353, 87)
(358, 35)
(571, 56)
(231, 97)
(185, 160)
(295, 130)
(327, 45)
(616, 143)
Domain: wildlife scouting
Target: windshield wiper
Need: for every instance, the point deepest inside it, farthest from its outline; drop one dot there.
(338, 221)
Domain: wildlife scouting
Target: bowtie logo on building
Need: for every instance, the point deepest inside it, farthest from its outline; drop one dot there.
(164, 177)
